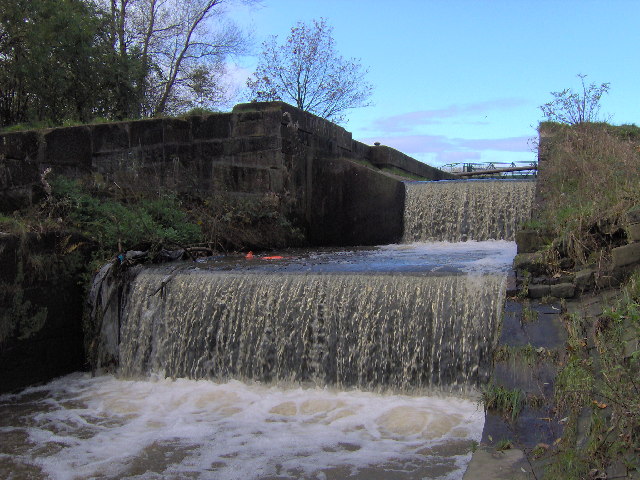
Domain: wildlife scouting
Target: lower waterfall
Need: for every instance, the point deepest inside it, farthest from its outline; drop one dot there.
(346, 330)
(461, 210)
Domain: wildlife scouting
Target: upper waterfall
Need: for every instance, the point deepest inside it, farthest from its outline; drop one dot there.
(457, 211)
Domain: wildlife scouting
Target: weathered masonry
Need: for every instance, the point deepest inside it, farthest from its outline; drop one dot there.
(256, 148)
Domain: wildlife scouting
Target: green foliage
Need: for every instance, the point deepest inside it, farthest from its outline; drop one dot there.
(524, 353)
(529, 315)
(117, 224)
(198, 111)
(503, 444)
(573, 384)
(568, 465)
(56, 62)
(67, 61)
(532, 224)
(236, 223)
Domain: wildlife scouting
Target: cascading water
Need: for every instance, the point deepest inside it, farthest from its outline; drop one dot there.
(345, 330)
(462, 210)
(325, 365)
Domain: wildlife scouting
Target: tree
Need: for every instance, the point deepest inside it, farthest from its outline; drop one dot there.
(307, 71)
(574, 108)
(55, 61)
(176, 42)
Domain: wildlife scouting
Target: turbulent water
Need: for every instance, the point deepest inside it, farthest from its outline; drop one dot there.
(458, 211)
(335, 351)
(79, 427)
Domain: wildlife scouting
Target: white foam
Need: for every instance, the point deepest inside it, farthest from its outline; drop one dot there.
(488, 256)
(104, 427)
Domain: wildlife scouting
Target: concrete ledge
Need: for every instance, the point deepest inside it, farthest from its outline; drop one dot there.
(387, 157)
(487, 464)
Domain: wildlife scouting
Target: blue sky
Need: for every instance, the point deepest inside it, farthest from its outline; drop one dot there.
(462, 80)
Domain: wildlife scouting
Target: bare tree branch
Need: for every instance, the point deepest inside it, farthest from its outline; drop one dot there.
(574, 108)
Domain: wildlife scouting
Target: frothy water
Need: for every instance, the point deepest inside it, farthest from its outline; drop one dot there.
(352, 342)
(79, 427)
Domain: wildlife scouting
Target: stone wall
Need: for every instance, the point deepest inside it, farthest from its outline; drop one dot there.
(256, 148)
(41, 303)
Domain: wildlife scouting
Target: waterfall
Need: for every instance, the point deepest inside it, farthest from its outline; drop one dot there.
(368, 331)
(373, 329)
(382, 327)
(461, 210)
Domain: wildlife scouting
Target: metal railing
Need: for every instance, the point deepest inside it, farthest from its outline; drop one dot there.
(494, 169)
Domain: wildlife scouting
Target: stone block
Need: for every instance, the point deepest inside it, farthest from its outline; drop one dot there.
(108, 137)
(184, 153)
(20, 145)
(68, 147)
(625, 255)
(110, 162)
(211, 126)
(176, 130)
(350, 204)
(146, 132)
(633, 232)
(585, 279)
(531, 262)
(266, 120)
(259, 159)
(529, 241)
(150, 155)
(252, 144)
(209, 150)
(563, 290)
(276, 180)
(16, 173)
(633, 215)
(232, 178)
(13, 199)
(539, 291)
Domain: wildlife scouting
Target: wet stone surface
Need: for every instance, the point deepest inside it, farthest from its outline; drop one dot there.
(531, 342)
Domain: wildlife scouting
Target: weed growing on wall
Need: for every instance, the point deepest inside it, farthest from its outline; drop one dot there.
(114, 224)
(599, 389)
(508, 402)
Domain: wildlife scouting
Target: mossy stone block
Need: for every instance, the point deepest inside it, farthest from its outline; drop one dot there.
(625, 255)
(633, 232)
